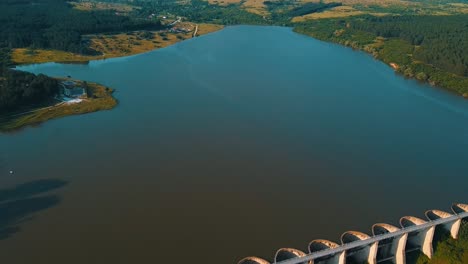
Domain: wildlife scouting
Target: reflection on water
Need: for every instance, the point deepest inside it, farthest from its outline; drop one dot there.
(233, 144)
(20, 203)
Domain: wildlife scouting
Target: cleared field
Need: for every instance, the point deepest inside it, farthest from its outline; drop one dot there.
(208, 28)
(458, 8)
(253, 6)
(28, 56)
(339, 11)
(112, 46)
(88, 6)
(133, 43)
(356, 7)
(224, 2)
(259, 7)
(336, 12)
(383, 3)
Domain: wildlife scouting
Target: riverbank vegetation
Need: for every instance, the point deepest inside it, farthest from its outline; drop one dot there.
(21, 90)
(448, 250)
(114, 45)
(54, 24)
(431, 49)
(98, 98)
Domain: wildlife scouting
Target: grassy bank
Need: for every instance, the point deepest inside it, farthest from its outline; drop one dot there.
(99, 98)
(112, 46)
(448, 250)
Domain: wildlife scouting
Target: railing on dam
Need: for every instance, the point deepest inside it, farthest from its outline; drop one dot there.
(387, 243)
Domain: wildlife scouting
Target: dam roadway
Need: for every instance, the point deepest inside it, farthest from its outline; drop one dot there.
(337, 254)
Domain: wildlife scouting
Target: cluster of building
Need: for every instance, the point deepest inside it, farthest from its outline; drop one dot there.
(71, 89)
(179, 30)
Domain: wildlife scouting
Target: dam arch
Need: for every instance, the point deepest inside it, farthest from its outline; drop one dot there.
(322, 244)
(451, 227)
(392, 248)
(290, 253)
(459, 208)
(253, 260)
(366, 253)
(420, 239)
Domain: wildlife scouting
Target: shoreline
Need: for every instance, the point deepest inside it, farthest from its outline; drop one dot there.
(104, 101)
(15, 123)
(25, 56)
(396, 67)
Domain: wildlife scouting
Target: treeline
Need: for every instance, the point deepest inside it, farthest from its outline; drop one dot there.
(431, 49)
(20, 89)
(441, 41)
(283, 11)
(310, 8)
(54, 24)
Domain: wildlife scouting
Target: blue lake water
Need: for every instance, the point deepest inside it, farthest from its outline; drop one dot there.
(231, 144)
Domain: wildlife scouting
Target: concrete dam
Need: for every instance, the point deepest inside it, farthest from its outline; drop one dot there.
(387, 243)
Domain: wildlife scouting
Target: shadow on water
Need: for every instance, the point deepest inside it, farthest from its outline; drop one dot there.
(18, 204)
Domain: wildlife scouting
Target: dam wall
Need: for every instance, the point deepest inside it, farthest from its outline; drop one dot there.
(387, 243)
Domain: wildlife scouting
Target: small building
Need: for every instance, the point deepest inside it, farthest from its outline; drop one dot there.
(72, 90)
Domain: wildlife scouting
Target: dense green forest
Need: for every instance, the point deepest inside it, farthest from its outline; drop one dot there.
(48, 24)
(54, 24)
(19, 89)
(440, 41)
(428, 48)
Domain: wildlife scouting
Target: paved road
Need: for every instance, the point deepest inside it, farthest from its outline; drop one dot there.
(196, 30)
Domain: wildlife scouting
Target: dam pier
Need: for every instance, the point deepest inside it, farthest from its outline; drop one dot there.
(387, 243)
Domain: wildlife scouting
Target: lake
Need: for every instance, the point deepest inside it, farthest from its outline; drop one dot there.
(231, 144)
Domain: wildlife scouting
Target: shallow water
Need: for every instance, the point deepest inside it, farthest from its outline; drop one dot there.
(232, 144)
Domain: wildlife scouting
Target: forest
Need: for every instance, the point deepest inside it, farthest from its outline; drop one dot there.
(310, 8)
(20, 89)
(48, 24)
(53, 24)
(440, 41)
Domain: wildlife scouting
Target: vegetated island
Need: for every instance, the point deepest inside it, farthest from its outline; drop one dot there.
(72, 33)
